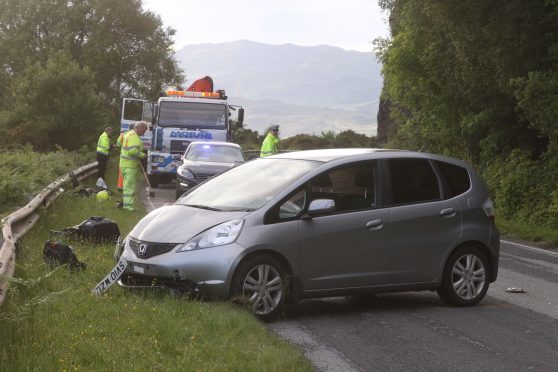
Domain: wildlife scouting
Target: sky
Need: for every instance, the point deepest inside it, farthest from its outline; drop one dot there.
(348, 24)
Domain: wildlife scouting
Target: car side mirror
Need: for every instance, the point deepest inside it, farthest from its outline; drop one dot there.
(176, 157)
(321, 206)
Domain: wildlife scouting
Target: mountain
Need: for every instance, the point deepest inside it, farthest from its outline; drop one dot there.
(303, 89)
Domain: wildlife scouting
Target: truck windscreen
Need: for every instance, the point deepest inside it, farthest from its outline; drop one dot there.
(192, 115)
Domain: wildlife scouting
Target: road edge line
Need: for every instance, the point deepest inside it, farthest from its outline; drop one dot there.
(535, 249)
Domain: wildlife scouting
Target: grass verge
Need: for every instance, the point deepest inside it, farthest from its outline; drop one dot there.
(543, 235)
(51, 320)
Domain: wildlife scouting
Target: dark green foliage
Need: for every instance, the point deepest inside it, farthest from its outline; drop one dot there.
(251, 140)
(54, 105)
(248, 139)
(478, 80)
(112, 48)
(23, 172)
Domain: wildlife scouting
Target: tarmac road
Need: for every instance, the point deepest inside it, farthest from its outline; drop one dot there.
(415, 331)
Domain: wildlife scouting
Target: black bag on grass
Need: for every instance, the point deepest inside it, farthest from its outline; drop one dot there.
(55, 253)
(97, 229)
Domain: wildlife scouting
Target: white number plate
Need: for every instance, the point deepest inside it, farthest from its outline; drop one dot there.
(111, 277)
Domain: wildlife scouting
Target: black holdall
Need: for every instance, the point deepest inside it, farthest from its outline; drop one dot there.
(55, 253)
(96, 228)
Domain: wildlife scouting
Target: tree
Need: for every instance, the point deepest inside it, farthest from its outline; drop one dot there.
(450, 64)
(54, 104)
(125, 49)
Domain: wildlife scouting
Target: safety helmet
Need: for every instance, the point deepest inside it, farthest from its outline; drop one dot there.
(102, 195)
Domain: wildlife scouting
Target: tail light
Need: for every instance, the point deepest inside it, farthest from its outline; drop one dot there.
(488, 207)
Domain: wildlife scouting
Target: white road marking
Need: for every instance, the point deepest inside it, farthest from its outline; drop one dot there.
(322, 357)
(534, 249)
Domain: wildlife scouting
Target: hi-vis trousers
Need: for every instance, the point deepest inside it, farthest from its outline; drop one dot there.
(129, 190)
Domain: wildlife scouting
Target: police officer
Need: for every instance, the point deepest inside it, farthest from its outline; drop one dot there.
(103, 148)
(269, 145)
(130, 158)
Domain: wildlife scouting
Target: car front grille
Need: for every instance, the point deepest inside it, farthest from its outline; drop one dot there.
(149, 249)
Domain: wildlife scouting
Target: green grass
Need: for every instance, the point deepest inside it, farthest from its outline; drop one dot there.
(51, 320)
(544, 235)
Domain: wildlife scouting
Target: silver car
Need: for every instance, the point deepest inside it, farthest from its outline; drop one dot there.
(323, 223)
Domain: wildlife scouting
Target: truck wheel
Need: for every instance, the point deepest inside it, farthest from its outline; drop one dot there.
(153, 180)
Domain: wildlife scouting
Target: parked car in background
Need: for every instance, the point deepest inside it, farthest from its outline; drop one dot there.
(203, 160)
(323, 223)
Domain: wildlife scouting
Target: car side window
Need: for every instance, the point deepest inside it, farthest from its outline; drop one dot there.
(293, 205)
(413, 181)
(457, 178)
(352, 187)
(290, 208)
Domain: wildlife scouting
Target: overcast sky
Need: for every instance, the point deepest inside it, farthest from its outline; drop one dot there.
(349, 24)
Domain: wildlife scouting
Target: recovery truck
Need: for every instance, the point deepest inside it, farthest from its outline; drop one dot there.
(197, 114)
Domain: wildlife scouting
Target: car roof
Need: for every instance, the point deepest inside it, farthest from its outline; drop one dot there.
(327, 155)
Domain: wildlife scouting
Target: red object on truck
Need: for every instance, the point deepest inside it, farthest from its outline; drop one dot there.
(205, 84)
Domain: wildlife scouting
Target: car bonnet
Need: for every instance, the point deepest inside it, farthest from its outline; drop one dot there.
(178, 223)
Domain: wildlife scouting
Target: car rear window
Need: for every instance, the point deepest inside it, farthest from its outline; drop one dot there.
(412, 181)
(457, 178)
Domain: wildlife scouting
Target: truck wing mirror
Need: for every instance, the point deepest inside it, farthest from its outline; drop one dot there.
(240, 119)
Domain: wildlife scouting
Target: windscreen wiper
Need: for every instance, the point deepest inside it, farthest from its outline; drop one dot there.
(203, 207)
(240, 209)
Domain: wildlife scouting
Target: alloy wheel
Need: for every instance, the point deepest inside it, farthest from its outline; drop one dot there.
(263, 287)
(468, 276)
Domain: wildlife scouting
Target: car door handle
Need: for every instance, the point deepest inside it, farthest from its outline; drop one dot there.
(447, 212)
(375, 224)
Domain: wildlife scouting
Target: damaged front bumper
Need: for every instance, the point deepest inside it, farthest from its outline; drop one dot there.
(204, 271)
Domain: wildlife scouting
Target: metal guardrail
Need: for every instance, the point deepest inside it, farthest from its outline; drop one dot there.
(21, 221)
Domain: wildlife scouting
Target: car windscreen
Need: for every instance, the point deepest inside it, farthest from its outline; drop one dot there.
(214, 153)
(192, 115)
(248, 186)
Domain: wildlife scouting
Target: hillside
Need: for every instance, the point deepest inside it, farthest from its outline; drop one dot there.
(304, 89)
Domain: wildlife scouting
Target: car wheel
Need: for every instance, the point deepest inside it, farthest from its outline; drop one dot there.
(466, 277)
(261, 282)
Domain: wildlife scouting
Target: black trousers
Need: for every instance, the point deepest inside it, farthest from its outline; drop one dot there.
(102, 166)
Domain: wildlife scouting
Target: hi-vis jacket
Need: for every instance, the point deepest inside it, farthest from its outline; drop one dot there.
(103, 145)
(269, 146)
(132, 150)
(120, 138)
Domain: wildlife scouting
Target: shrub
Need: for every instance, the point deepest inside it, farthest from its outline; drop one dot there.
(24, 172)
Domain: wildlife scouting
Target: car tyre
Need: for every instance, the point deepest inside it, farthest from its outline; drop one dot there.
(260, 281)
(466, 277)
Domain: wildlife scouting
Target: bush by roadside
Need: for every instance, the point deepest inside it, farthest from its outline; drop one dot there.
(24, 172)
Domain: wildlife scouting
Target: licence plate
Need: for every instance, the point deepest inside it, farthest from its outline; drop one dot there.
(111, 277)
(139, 269)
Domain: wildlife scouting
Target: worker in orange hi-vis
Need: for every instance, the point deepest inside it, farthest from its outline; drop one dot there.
(119, 144)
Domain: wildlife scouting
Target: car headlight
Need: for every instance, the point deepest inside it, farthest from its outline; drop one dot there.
(184, 172)
(222, 234)
(157, 158)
